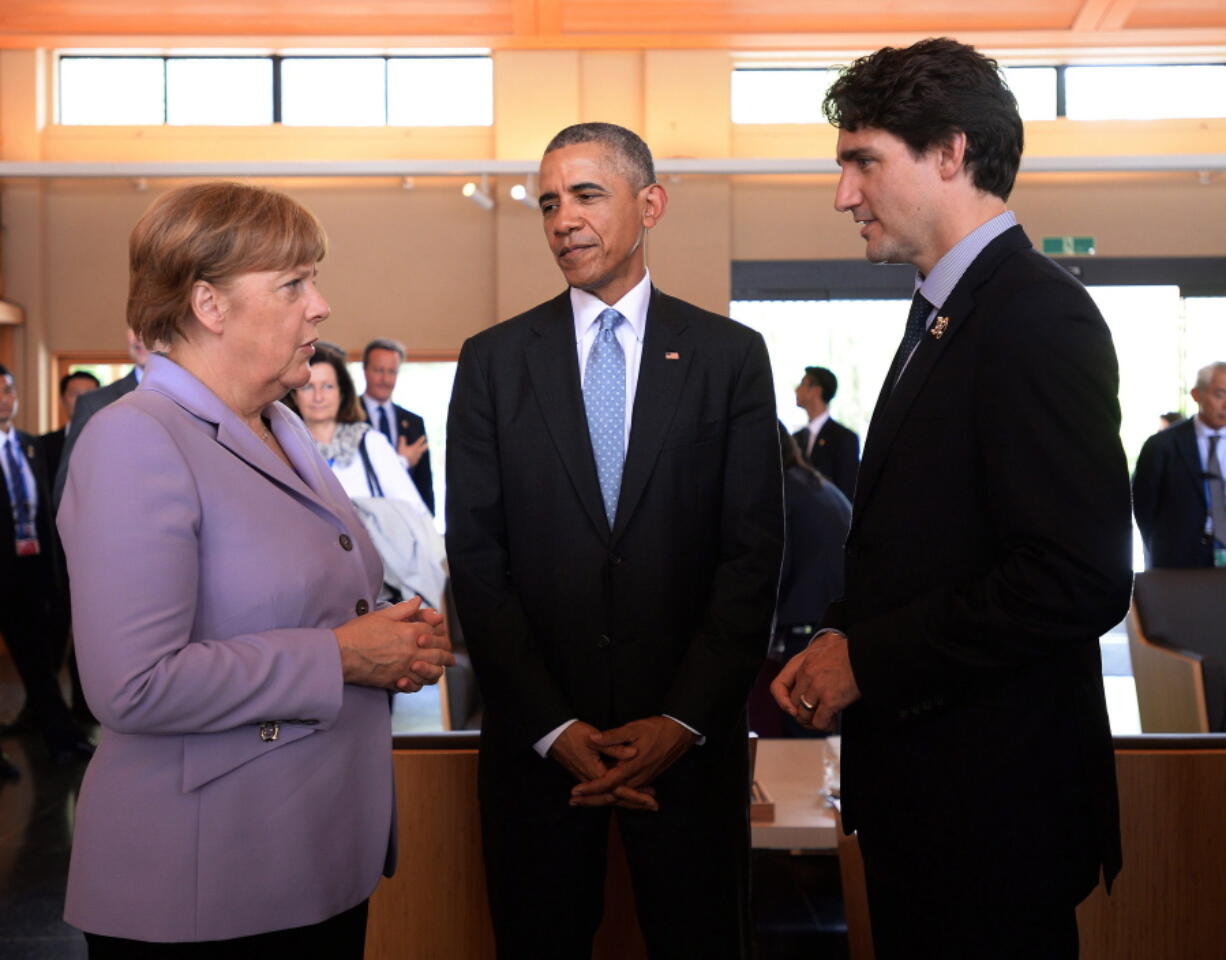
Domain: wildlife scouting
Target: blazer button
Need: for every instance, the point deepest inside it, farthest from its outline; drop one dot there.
(602, 641)
(362, 608)
(346, 542)
(616, 560)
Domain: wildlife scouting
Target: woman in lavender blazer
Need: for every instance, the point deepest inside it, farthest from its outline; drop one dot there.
(222, 594)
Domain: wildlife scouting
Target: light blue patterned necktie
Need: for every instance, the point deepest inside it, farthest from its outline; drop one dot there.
(604, 398)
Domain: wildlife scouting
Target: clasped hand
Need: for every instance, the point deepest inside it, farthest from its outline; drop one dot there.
(619, 766)
(401, 647)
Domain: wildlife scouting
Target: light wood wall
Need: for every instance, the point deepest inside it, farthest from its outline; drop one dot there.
(431, 268)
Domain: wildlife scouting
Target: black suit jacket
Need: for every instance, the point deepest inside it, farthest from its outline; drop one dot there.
(87, 405)
(410, 426)
(1168, 495)
(44, 523)
(835, 454)
(989, 550)
(667, 613)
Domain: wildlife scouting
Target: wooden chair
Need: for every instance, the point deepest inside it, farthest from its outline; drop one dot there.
(1177, 640)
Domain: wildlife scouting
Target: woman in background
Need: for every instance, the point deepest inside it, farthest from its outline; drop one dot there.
(374, 477)
(223, 592)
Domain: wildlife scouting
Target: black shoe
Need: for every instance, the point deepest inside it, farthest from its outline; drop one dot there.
(9, 771)
(74, 751)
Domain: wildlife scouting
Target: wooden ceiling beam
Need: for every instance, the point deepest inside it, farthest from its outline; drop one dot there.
(1198, 42)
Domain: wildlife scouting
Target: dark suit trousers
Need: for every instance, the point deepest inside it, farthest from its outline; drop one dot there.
(907, 925)
(545, 860)
(31, 630)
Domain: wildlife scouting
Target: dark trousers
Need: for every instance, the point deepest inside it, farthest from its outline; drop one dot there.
(342, 937)
(545, 860)
(913, 925)
(34, 631)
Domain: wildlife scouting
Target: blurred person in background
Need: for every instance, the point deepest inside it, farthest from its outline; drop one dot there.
(404, 429)
(371, 473)
(72, 386)
(816, 516)
(33, 617)
(240, 802)
(1177, 491)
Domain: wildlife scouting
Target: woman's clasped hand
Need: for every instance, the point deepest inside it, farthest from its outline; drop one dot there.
(402, 647)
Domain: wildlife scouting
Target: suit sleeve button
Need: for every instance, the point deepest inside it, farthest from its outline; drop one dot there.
(346, 542)
(362, 607)
(602, 641)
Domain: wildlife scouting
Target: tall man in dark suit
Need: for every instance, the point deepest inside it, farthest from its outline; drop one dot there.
(614, 527)
(1177, 491)
(832, 448)
(990, 540)
(33, 605)
(404, 429)
(94, 401)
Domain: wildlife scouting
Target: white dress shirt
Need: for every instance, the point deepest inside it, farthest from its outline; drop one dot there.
(587, 308)
(814, 428)
(372, 413)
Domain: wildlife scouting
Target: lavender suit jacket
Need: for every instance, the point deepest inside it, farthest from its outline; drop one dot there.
(206, 576)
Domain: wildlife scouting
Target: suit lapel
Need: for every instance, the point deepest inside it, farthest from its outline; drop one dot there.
(667, 353)
(893, 405)
(1189, 452)
(168, 378)
(553, 366)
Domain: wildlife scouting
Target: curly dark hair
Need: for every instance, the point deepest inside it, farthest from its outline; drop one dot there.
(926, 93)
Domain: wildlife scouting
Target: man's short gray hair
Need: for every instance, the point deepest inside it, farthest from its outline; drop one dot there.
(1205, 375)
(633, 156)
(383, 343)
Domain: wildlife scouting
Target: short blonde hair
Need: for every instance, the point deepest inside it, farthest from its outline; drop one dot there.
(214, 232)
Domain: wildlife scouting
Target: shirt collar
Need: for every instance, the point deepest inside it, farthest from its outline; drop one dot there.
(816, 424)
(1203, 430)
(940, 283)
(5, 434)
(633, 306)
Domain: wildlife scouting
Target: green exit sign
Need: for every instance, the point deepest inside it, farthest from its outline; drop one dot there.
(1069, 246)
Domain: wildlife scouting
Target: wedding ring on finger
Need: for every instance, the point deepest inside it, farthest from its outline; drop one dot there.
(807, 705)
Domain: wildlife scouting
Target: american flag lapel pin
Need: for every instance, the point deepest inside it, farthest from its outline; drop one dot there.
(672, 355)
(938, 328)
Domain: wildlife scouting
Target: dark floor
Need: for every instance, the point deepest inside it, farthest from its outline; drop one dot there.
(35, 834)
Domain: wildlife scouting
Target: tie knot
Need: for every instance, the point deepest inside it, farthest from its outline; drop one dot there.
(609, 319)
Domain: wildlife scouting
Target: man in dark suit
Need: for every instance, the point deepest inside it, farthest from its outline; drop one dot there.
(404, 429)
(91, 403)
(72, 386)
(614, 527)
(990, 540)
(33, 605)
(832, 448)
(1177, 490)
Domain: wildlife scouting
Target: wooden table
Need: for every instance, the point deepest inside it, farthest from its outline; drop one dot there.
(793, 773)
